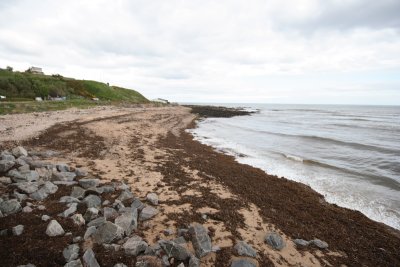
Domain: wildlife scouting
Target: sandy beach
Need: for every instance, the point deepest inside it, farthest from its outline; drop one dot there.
(149, 150)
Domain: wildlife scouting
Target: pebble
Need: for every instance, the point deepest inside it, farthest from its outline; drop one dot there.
(27, 209)
(78, 219)
(275, 241)
(152, 198)
(45, 218)
(17, 230)
(54, 229)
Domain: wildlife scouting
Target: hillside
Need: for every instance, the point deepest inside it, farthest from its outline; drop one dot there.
(27, 86)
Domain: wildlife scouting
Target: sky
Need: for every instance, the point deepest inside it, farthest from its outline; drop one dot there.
(249, 51)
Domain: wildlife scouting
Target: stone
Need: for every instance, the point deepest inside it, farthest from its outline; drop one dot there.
(45, 218)
(39, 195)
(148, 261)
(41, 207)
(7, 157)
(128, 221)
(120, 265)
(27, 209)
(112, 247)
(44, 173)
(19, 151)
(174, 250)
(200, 240)
(90, 214)
(44, 191)
(81, 172)
(17, 230)
(134, 245)
(69, 199)
(27, 187)
(118, 204)
(123, 186)
(71, 252)
(97, 222)
(194, 262)
(23, 176)
(301, 242)
(1, 214)
(5, 180)
(168, 232)
(180, 240)
(92, 201)
(88, 183)
(125, 195)
(137, 204)
(108, 188)
(67, 183)
(19, 197)
(24, 168)
(244, 249)
(10, 207)
(36, 164)
(4, 232)
(147, 213)
(54, 229)
(165, 261)
(6, 165)
(64, 176)
(75, 263)
(78, 219)
(89, 232)
(107, 233)
(319, 243)
(152, 198)
(109, 213)
(78, 192)
(243, 263)
(89, 258)
(27, 265)
(275, 241)
(69, 211)
(62, 167)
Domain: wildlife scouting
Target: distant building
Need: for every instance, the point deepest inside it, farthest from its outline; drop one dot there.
(35, 70)
(38, 98)
(160, 100)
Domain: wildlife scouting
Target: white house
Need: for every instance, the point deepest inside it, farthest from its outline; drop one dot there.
(35, 70)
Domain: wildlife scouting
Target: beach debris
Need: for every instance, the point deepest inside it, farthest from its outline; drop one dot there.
(200, 239)
(89, 258)
(244, 249)
(275, 241)
(54, 229)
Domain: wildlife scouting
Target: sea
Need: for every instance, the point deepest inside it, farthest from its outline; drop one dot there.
(349, 154)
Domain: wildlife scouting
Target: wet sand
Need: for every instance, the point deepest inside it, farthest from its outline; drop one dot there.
(149, 149)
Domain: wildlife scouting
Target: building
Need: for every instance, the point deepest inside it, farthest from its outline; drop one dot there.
(38, 98)
(35, 70)
(160, 100)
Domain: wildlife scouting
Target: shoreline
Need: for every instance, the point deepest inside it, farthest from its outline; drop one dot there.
(150, 150)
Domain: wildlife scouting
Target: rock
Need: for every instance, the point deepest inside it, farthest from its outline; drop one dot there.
(90, 214)
(81, 172)
(44, 191)
(75, 263)
(125, 195)
(182, 232)
(107, 233)
(19, 151)
(27, 265)
(92, 201)
(319, 243)
(180, 240)
(89, 259)
(87, 183)
(148, 261)
(97, 222)
(64, 176)
(242, 263)
(5, 180)
(123, 186)
(62, 167)
(19, 197)
(4, 232)
(1, 214)
(194, 262)
(244, 249)
(23, 176)
(78, 192)
(128, 221)
(45, 218)
(24, 168)
(168, 232)
(39, 195)
(301, 242)
(118, 204)
(5, 165)
(275, 241)
(44, 173)
(109, 213)
(41, 207)
(94, 190)
(147, 213)
(134, 245)
(152, 198)
(27, 209)
(71, 252)
(10, 207)
(78, 219)
(54, 229)
(89, 232)
(107, 188)
(77, 239)
(69, 199)
(7, 157)
(137, 204)
(112, 247)
(200, 240)
(17, 230)
(35, 164)
(174, 250)
(165, 261)
(27, 187)
(67, 183)
(69, 211)
(120, 265)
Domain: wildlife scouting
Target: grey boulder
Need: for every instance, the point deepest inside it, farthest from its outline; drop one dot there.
(107, 233)
(275, 241)
(89, 259)
(54, 229)
(147, 213)
(64, 176)
(125, 195)
(88, 183)
(62, 167)
(10, 207)
(200, 240)
(19, 151)
(5, 165)
(27, 187)
(92, 201)
(128, 221)
(23, 176)
(75, 263)
(134, 245)
(244, 249)
(97, 222)
(109, 213)
(71, 252)
(174, 250)
(78, 192)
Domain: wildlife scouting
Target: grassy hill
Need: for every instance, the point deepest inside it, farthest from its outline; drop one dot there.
(26, 86)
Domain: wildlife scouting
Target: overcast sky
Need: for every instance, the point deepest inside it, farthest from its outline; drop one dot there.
(304, 51)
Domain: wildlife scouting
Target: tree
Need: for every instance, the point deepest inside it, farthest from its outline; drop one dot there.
(9, 68)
